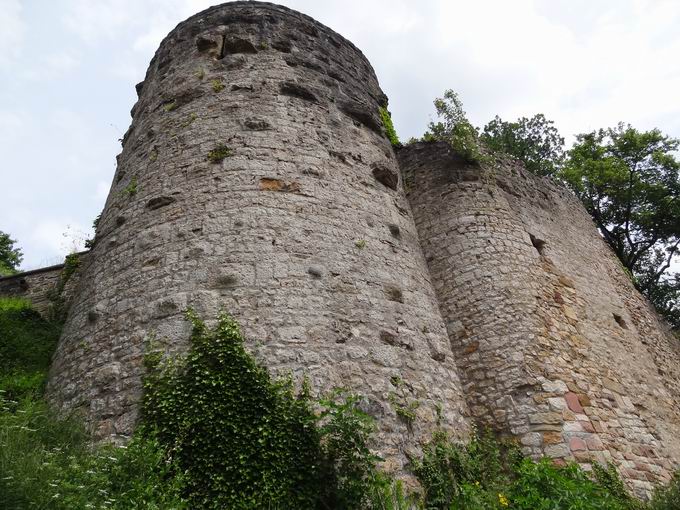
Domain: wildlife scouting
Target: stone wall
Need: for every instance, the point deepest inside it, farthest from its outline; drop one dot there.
(553, 342)
(256, 178)
(39, 285)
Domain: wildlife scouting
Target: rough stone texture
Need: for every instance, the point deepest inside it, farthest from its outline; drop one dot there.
(256, 178)
(37, 285)
(552, 341)
(247, 183)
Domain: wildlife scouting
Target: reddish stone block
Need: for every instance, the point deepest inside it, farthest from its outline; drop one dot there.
(594, 443)
(573, 402)
(577, 444)
(587, 426)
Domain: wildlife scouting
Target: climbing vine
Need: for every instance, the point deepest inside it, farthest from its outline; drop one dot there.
(244, 440)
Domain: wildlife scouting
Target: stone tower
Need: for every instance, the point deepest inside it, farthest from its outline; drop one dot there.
(552, 341)
(256, 178)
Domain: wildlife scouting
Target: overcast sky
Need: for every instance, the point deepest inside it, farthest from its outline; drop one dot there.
(68, 70)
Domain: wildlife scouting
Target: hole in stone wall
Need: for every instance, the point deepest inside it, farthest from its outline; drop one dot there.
(539, 244)
(393, 293)
(394, 230)
(619, 320)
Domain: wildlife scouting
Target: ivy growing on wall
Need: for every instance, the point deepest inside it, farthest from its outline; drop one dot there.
(244, 440)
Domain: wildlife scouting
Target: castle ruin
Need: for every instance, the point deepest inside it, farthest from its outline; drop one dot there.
(257, 178)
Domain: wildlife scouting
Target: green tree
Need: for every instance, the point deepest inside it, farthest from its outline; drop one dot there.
(10, 257)
(535, 141)
(454, 127)
(628, 181)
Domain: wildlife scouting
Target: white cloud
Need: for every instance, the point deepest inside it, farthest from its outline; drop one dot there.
(61, 62)
(102, 191)
(584, 64)
(97, 22)
(12, 31)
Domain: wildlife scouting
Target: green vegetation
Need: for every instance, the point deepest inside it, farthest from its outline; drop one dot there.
(131, 189)
(10, 257)
(170, 105)
(453, 127)
(219, 401)
(58, 308)
(217, 432)
(218, 154)
(189, 120)
(153, 154)
(628, 182)
(535, 141)
(89, 243)
(360, 243)
(217, 85)
(391, 133)
(26, 345)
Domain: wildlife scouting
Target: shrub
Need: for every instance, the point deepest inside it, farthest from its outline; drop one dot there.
(454, 128)
(465, 475)
(667, 498)
(26, 345)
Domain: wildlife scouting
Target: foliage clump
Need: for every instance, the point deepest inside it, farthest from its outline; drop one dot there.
(628, 181)
(387, 123)
(219, 153)
(131, 189)
(243, 440)
(217, 85)
(10, 257)
(487, 473)
(535, 141)
(26, 345)
(170, 105)
(454, 127)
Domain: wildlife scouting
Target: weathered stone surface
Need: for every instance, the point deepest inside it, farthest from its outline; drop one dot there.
(269, 233)
(573, 402)
(38, 286)
(483, 289)
(523, 275)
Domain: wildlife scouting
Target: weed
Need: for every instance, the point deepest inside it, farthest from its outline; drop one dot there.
(131, 189)
(217, 85)
(218, 154)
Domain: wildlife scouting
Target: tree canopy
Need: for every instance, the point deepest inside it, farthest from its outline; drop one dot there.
(628, 181)
(535, 141)
(10, 257)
